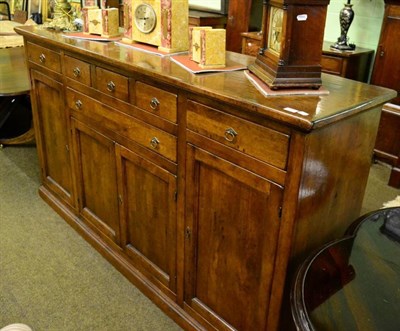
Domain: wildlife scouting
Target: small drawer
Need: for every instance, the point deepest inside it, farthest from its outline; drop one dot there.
(77, 70)
(124, 125)
(251, 48)
(113, 84)
(331, 64)
(263, 143)
(44, 57)
(156, 101)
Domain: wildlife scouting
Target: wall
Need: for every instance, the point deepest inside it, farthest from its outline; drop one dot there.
(366, 27)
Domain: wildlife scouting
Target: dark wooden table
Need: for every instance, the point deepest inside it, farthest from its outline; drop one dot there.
(14, 95)
(353, 283)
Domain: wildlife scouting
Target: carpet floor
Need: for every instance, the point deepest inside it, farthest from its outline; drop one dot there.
(52, 280)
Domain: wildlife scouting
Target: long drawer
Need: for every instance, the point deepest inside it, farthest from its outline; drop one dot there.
(124, 125)
(260, 142)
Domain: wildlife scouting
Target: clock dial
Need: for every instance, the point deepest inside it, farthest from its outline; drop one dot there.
(275, 29)
(145, 18)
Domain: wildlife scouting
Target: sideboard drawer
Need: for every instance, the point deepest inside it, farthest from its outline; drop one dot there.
(77, 70)
(112, 83)
(156, 101)
(332, 65)
(124, 125)
(44, 57)
(263, 143)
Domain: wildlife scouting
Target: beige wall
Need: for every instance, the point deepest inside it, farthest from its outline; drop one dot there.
(366, 27)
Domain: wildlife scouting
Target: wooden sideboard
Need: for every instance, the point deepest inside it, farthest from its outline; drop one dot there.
(203, 192)
(353, 65)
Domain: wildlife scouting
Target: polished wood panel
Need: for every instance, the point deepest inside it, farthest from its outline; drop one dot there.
(231, 231)
(96, 172)
(52, 135)
(210, 230)
(387, 67)
(385, 73)
(148, 217)
(238, 22)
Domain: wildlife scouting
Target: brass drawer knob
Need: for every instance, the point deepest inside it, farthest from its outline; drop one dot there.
(42, 58)
(76, 72)
(154, 103)
(78, 104)
(230, 135)
(154, 142)
(111, 86)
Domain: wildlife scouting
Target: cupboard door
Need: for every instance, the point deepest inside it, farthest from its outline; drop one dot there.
(148, 218)
(51, 122)
(97, 180)
(387, 66)
(231, 240)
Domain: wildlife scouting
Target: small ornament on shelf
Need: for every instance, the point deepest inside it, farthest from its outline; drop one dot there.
(346, 17)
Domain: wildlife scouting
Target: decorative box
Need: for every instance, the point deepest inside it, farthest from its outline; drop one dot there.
(85, 17)
(104, 22)
(110, 22)
(95, 21)
(195, 49)
(208, 47)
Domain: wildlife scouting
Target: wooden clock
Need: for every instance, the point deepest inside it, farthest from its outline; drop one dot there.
(162, 23)
(291, 44)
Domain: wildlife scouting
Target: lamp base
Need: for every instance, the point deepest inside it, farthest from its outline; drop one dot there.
(344, 47)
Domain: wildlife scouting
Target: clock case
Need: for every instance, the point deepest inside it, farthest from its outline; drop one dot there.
(298, 64)
(171, 32)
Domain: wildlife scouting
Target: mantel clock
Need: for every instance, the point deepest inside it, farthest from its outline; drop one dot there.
(162, 23)
(292, 39)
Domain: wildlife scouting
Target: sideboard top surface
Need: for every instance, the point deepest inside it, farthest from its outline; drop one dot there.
(346, 97)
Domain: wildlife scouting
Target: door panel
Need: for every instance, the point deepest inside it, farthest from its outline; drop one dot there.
(97, 180)
(232, 231)
(148, 217)
(52, 130)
